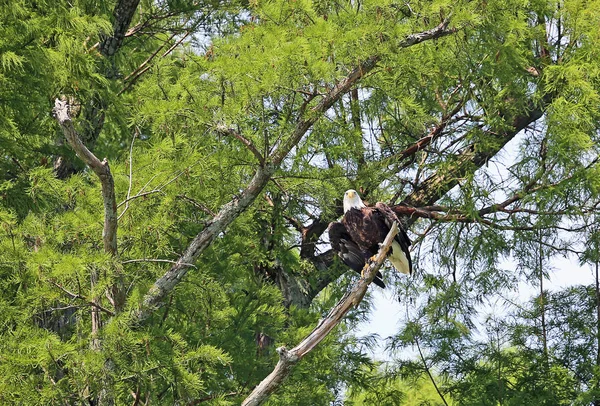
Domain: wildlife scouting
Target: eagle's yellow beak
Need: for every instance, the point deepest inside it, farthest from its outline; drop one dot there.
(351, 194)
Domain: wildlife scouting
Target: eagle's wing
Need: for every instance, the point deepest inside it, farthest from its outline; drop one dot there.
(348, 251)
(402, 238)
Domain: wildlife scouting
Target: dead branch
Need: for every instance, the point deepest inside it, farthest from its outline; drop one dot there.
(288, 358)
(198, 205)
(164, 285)
(73, 295)
(249, 144)
(100, 168)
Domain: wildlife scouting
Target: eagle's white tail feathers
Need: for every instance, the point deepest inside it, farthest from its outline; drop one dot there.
(398, 259)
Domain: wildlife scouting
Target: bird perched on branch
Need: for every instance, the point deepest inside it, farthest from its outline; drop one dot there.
(358, 236)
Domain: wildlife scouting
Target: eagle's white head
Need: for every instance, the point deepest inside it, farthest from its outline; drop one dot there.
(352, 200)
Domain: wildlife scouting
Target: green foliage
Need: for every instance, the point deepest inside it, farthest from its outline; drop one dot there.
(157, 109)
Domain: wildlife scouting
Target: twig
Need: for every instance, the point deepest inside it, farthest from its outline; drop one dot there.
(140, 68)
(80, 297)
(135, 134)
(128, 199)
(157, 190)
(211, 397)
(288, 358)
(198, 205)
(230, 131)
(429, 373)
(131, 261)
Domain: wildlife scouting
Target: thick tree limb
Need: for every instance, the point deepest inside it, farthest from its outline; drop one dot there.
(230, 211)
(288, 358)
(123, 14)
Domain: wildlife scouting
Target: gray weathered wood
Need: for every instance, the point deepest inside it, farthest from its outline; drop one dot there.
(288, 358)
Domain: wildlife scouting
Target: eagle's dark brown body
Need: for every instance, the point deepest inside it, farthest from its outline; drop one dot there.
(348, 251)
(368, 228)
(362, 229)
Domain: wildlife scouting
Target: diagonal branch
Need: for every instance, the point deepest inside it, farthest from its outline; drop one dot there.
(163, 286)
(230, 131)
(288, 358)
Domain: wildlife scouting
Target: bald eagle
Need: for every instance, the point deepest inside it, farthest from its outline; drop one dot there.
(357, 237)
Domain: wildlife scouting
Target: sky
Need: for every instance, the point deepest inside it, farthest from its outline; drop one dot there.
(387, 314)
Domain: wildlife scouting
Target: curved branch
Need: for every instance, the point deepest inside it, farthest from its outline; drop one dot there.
(288, 358)
(100, 168)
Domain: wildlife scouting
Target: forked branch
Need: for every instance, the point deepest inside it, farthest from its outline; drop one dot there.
(288, 358)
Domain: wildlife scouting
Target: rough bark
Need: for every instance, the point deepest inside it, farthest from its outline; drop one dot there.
(123, 14)
(288, 358)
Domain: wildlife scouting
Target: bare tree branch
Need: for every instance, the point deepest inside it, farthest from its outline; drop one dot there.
(100, 168)
(198, 205)
(230, 131)
(230, 211)
(288, 358)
